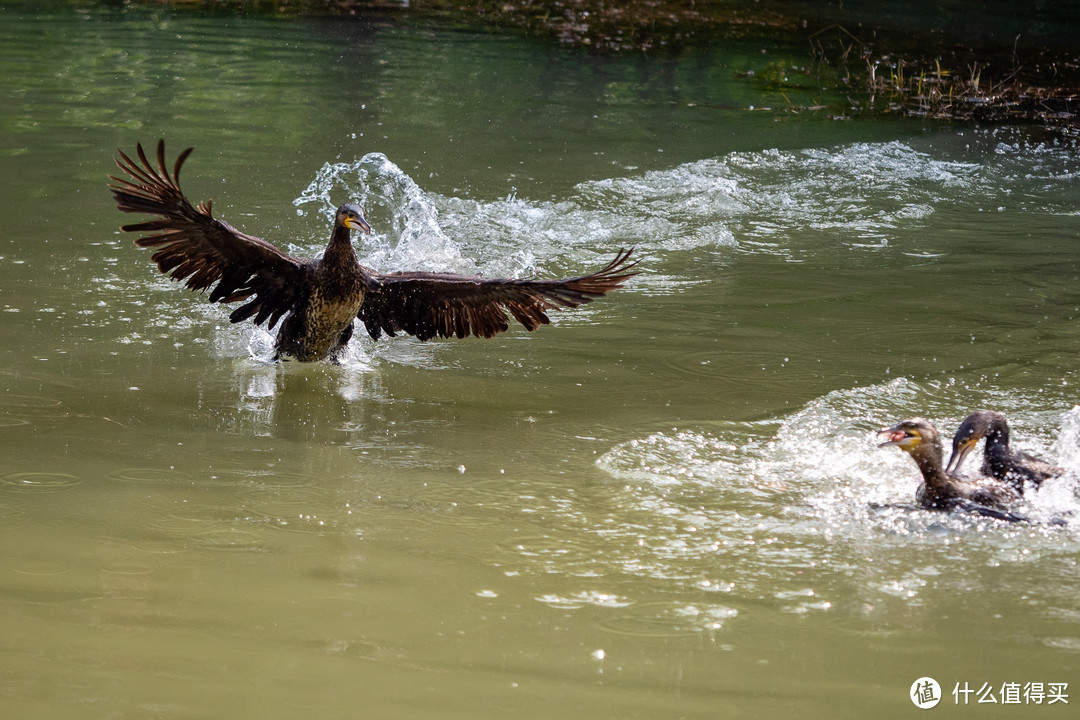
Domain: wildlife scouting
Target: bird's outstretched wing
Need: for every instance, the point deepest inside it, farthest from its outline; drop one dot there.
(431, 305)
(196, 247)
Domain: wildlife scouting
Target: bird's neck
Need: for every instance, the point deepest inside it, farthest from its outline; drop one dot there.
(997, 453)
(340, 247)
(929, 460)
(997, 444)
(999, 434)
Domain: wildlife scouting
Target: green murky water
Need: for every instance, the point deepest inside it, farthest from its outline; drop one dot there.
(660, 506)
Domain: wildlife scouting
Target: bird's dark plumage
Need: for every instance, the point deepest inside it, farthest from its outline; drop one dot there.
(999, 460)
(940, 490)
(320, 299)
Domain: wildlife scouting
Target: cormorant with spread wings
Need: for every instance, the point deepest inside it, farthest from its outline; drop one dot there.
(320, 299)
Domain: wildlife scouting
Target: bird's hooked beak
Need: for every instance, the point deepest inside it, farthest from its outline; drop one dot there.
(903, 438)
(959, 454)
(358, 223)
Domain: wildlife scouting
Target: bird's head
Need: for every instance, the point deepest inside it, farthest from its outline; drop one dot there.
(976, 426)
(909, 435)
(351, 215)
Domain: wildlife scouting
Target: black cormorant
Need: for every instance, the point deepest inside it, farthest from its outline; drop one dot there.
(940, 490)
(320, 299)
(999, 460)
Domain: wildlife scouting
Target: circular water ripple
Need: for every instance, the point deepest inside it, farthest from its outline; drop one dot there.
(14, 400)
(162, 546)
(38, 482)
(227, 538)
(41, 569)
(210, 526)
(152, 476)
(128, 569)
(17, 409)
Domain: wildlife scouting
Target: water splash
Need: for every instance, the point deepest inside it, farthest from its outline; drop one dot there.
(824, 457)
(788, 509)
(417, 230)
(787, 202)
(405, 219)
(798, 204)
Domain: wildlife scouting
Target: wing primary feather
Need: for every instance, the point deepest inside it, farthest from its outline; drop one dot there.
(429, 305)
(195, 248)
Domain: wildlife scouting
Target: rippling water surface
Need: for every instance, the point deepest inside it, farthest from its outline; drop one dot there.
(667, 503)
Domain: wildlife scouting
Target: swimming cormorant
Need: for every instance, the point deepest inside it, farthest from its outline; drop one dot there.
(320, 298)
(940, 490)
(999, 460)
